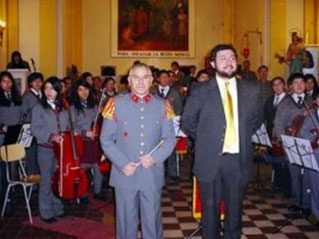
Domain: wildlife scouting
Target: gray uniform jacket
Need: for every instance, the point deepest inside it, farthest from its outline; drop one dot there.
(9, 116)
(29, 101)
(82, 120)
(45, 123)
(286, 111)
(134, 130)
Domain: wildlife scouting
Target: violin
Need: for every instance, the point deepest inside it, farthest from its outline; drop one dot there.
(69, 181)
(296, 125)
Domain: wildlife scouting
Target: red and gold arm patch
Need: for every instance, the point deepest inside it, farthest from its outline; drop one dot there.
(109, 110)
(169, 112)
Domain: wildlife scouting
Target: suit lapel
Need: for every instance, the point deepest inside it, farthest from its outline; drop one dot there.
(217, 97)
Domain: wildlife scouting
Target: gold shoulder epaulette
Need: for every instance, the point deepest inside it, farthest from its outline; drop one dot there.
(169, 112)
(109, 109)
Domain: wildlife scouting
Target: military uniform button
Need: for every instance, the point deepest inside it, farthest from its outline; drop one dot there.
(220, 154)
(141, 152)
(142, 109)
(141, 134)
(142, 117)
(142, 126)
(142, 144)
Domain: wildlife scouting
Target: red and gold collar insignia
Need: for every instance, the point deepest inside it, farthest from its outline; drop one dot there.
(135, 98)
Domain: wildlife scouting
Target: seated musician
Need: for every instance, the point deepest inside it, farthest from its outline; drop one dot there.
(310, 131)
(48, 120)
(84, 112)
(288, 121)
(10, 114)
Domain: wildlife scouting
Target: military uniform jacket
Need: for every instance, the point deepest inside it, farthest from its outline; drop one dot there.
(132, 128)
(46, 122)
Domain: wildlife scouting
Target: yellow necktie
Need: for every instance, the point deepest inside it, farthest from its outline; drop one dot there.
(230, 125)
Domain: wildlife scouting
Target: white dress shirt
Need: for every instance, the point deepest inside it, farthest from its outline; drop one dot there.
(278, 98)
(165, 89)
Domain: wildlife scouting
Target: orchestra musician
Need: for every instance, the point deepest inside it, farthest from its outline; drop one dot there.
(280, 167)
(310, 131)
(48, 121)
(29, 100)
(288, 121)
(10, 114)
(84, 112)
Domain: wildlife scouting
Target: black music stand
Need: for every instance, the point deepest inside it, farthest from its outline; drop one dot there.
(260, 138)
(300, 153)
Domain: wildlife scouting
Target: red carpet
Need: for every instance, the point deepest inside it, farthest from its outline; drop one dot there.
(82, 227)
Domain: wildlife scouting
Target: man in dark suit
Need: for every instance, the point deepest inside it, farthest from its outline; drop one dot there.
(173, 96)
(281, 173)
(221, 115)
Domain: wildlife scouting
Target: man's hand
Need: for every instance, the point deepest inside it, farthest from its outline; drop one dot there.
(147, 161)
(129, 169)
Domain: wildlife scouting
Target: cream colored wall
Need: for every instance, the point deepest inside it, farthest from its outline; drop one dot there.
(252, 23)
(97, 35)
(3, 48)
(29, 35)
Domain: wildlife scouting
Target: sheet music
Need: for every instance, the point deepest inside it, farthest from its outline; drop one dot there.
(25, 137)
(299, 151)
(177, 127)
(261, 137)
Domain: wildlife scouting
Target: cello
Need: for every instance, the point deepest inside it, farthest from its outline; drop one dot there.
(69, 181)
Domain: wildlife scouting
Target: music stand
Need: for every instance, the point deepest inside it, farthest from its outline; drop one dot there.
(260, 138)
(300, 153)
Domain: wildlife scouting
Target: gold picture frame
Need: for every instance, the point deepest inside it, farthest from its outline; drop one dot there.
(152, 28)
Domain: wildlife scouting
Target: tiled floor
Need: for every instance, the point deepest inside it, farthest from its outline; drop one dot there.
(264, 217)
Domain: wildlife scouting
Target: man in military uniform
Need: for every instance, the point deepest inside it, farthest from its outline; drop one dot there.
(137, 136)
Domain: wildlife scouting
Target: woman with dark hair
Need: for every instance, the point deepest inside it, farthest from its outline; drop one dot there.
(84, 112)
(109, 86)
(87, 76)
(17, 62)
(10, 114)
(311, 85)
(48, 121)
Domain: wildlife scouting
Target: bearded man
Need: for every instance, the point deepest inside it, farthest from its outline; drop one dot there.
(221, 115)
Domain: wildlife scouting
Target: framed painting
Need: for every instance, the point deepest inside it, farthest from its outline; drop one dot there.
(153, 28)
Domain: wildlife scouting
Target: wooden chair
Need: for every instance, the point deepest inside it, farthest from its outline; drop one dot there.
(13, 153)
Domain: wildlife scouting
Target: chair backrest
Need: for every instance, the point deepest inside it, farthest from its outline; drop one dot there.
(9, 154)
(12, 152)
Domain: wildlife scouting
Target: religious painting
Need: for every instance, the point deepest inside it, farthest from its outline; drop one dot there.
(153, 28)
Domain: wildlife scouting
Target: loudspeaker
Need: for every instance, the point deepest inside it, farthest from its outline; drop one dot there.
(108, 71)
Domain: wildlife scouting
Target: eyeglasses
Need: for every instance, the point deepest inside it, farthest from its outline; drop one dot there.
(145, 77)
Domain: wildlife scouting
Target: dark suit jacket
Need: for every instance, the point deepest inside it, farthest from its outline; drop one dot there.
(204, 121)
(269, 114)
(174, 98)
